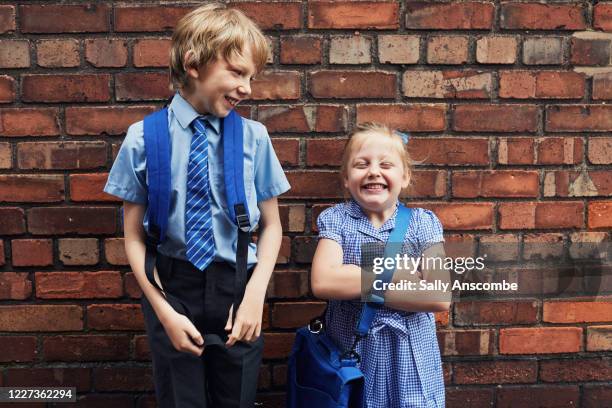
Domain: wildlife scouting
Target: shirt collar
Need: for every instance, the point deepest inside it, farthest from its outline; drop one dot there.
(185, 113)
(364, 224)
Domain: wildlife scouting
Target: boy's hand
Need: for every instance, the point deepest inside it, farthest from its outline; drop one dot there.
(183, 334)
(247, 326)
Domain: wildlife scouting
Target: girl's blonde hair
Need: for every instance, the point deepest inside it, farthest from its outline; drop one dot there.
(212, 31)
(372, 129)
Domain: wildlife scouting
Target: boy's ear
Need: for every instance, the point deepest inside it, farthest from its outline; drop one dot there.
(189, 65)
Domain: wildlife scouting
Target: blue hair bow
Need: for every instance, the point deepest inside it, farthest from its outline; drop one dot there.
(405, 137)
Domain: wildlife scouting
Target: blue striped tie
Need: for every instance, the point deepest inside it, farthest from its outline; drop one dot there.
(198, 219)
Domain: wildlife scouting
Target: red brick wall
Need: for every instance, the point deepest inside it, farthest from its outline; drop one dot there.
(508, 105)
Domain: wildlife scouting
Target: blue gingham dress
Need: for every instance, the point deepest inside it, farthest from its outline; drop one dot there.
(400, 357)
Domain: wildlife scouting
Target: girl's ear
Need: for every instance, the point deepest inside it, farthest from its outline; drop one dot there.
(406, 180)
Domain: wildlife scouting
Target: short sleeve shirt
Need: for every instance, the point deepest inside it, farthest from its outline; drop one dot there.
(264, 178)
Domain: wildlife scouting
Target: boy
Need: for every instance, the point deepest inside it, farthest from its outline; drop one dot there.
(215, 53)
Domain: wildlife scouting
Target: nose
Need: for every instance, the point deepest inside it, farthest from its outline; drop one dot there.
(373, 171)
(245, 88)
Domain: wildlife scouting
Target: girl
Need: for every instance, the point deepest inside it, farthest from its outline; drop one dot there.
(399, 357)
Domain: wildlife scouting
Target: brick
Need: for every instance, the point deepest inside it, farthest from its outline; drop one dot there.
(600, 214)
(288, 284)
(71, 220)
(447, 84)
(559, 150)
(86, 18)
(115, 251)
(602, 16)
(279, 375)
(324, 152)
(277, 345)
(78, 285)
(17, 349)
(595, 396)
(531, 215)
(32, 252)
(31, 188)
(115, 317)
(541, 85)
(29, 122)
(543, 51)
(471, 184)
(14, 286)
(496, 50)
(398, 49)
(271, 85)
(447, 50)
(86, 348)
(293, 217)
(600, 150)
(602, 86)
(578, 118)
(66, 88)
(516, 150)
(103, 120)
(591, 369)
(14, 54)
(300, 49)
(427, 184)
(303, 118)
(273, 16)
(6, 156)
(469, 15)
(499, 247)
(495, 313)
(88, 187)
(123, 379)
(295, 315)
(577, 184)
(577, 312)
(531, 397)
(152, 52)
(49, 377)
(450, 151)
(466, 342)
(542, 246)
(78, 251)
(7, 18)
(7, 89)
(495, 372)
(106, 53)
(287, 151)
(458, 397)
(131, 287)
(142, 86)
(591, 52)
(413, 117)
(61, 155)
(350, 50)
(357, 15)
(310, 184)
(284, 254)
(495, 118)
(2, 256)
(599, 338)
(540, 340)
(341, 84)
(464, 216)
(58, 53)
(534, 16)
(141, 348)
(35, 318)
(148, 18)
(13, 221)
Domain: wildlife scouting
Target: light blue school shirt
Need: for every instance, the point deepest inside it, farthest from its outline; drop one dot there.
(264, 178)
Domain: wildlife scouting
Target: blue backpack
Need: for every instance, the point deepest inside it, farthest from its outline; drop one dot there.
(157, 148)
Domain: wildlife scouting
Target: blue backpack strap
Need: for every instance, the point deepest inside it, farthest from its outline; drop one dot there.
(233, 162)
(393, 246)
(157, 149)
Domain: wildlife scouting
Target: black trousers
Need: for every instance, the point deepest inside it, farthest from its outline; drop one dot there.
(221, 377)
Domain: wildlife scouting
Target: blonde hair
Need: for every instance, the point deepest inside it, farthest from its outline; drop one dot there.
(372, 129)
(212, 31)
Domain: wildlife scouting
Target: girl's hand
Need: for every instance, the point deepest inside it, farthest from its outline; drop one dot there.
(183, 334)
(247, 326)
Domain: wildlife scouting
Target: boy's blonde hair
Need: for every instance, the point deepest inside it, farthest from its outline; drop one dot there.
(212, 31)
(362, 132)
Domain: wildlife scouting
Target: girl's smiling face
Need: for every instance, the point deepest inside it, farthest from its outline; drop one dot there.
(375, 176)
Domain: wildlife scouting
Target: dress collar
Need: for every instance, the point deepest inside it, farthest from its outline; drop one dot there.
(364, 225)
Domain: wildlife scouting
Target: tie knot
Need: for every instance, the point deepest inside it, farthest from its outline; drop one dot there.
(199, 125)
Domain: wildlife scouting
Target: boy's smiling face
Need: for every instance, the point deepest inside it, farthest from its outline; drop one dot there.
(217, 87)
